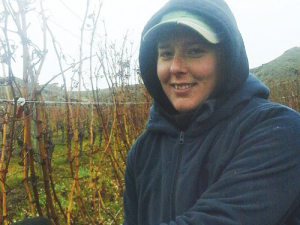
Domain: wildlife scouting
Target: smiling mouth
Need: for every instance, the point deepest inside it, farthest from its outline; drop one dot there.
(182, 86)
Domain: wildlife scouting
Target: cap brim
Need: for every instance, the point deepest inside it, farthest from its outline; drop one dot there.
(199, 27)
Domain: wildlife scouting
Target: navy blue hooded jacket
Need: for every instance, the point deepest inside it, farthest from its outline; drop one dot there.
(237, 161)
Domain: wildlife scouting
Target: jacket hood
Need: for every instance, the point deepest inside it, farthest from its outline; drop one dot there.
(218, 15)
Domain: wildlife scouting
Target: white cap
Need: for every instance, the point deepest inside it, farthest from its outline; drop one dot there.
(188, 19)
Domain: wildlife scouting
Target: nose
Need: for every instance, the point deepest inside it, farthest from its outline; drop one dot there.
(178, 66)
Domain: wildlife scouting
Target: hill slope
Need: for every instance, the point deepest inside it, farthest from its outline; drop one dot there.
(284, 68)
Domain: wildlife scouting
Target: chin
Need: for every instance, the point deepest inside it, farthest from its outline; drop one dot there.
(185, 109)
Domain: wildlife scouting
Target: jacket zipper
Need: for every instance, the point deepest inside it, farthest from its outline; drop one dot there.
(181, 138)
(177, 169)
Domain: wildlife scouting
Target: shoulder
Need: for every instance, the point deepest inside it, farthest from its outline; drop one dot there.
(264, 109)
(266, 124)
(139, 145)
(271, 126)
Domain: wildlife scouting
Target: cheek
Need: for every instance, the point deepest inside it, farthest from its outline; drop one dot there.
(162, 71)
(209, 68)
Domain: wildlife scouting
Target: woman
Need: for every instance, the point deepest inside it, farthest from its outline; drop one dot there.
(215, 150)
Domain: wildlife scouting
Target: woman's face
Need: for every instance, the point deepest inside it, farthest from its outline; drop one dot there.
(187, 69)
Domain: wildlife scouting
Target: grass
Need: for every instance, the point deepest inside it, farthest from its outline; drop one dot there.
(18, 206)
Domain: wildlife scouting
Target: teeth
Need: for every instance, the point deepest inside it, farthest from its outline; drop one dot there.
(182, 87)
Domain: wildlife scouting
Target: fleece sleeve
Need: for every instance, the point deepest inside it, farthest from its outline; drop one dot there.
(130, 202)
(260, 184)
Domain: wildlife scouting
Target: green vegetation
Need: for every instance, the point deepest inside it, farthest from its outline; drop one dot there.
(282, 69)
(101, 168)
(282, 76)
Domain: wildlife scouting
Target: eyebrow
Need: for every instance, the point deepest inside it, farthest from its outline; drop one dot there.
(165, 44)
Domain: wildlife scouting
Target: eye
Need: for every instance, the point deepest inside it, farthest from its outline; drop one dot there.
(165, 53)
(195, 51)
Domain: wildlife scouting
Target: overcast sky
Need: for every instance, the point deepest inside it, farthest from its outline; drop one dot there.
(269, 27)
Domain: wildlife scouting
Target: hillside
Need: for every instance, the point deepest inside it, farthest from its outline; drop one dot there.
(284, 68)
